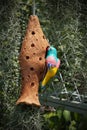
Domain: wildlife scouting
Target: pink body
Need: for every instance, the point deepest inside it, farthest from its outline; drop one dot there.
(51, 60)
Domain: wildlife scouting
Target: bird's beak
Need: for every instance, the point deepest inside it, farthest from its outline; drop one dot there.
(47, 48)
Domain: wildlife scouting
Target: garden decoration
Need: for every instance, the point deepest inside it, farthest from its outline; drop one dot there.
(32, 61)
(52, 63)
(38, 62)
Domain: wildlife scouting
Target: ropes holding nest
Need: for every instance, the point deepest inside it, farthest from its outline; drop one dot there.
(33, 7)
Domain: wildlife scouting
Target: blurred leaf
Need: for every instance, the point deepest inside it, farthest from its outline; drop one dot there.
(67, 115)
(59, 113)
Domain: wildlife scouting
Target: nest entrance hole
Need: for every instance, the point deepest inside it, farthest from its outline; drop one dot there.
(27, 57)
(32, 45)
(40, 58)
(33, 33)
(32, 69)
(32, 84)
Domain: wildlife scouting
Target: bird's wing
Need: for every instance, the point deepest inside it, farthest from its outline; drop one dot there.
(50, 73)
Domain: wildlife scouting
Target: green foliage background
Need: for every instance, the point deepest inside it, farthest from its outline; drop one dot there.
(64, 23)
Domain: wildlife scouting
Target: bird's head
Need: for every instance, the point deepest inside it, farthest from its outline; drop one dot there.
(51, 51)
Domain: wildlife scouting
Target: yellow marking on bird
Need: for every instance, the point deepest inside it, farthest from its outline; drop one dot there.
(50, 73)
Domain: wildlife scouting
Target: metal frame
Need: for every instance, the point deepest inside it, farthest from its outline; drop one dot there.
(69, 105)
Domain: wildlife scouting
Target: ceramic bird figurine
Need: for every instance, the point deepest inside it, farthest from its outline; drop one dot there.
(52, 63)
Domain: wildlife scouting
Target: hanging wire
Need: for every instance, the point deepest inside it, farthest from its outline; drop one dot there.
(33, 7)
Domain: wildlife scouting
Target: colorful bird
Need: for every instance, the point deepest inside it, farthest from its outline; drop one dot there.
(52, 63)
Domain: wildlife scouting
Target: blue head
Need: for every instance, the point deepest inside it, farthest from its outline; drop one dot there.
(51, 51)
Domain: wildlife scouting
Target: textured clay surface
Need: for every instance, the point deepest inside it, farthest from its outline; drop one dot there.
(32, 62)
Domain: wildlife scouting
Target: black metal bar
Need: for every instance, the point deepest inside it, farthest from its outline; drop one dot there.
(71, 106)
